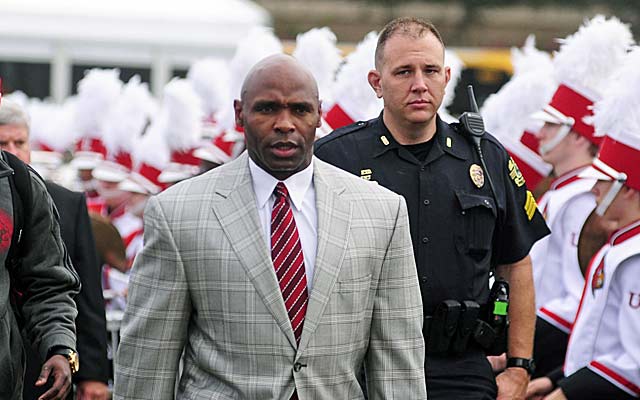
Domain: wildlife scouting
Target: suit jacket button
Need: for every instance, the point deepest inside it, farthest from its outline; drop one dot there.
(297, 367)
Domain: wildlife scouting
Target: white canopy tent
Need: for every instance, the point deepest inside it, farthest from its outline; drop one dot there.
(159, 35)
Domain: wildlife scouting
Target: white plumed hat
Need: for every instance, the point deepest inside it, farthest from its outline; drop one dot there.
(582, 67)
(617, 122)
(507, 113)
(151, 156)
(456, 65)
(317, 50)
(210, 78)
(181, 112)
(51, 127)
(97, 92)
(260, 43)
(353, 97)
(124, 124)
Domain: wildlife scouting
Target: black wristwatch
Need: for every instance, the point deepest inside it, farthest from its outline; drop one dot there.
(527, 363)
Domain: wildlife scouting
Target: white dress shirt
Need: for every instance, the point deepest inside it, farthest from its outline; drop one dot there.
(303, 204)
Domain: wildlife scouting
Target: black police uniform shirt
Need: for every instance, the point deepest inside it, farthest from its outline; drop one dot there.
(457, 226)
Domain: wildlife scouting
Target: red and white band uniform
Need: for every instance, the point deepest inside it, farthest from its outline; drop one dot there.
(558, 279)
(604, 338)
(130, 227)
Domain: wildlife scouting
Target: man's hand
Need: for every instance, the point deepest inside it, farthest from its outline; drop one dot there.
(59, 369)
(512, 384)
(557, 394)
(92, 390)
(539, 388)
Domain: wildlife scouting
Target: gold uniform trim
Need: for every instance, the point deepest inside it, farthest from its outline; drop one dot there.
(530, 205)
(515, 174)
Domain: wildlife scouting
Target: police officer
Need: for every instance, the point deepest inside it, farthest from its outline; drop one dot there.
(460, 227)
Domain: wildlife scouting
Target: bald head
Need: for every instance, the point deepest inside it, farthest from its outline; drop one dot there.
(275, 68)
(279, 111)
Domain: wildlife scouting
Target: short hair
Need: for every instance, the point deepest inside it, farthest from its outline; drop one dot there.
(405, 26)
(11, 113)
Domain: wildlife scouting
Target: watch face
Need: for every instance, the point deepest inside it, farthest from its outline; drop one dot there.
(74, 361)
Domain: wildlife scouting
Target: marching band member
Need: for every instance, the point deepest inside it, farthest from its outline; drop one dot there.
(603, 356)
(582, 67)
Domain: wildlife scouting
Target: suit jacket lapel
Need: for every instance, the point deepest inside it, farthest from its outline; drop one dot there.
(239, 219)
(334, 219)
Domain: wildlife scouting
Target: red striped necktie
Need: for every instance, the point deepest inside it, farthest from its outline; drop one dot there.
(288, 260)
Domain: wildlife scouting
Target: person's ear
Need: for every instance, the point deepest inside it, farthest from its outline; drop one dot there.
(629, 193)
(579, 140)
(237, 108)
(319, 123)
(447, 74)
(374, 79)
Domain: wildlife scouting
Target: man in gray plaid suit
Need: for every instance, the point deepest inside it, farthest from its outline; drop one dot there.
(277, 274)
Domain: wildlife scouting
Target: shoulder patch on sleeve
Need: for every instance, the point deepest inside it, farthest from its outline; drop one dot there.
(515, 174)
(530, 205)
(342, 132)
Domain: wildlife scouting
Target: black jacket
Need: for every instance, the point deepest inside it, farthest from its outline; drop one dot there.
(46, 278)
(77, 235)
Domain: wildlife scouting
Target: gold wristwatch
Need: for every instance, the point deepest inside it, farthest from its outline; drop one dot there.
(70, 355)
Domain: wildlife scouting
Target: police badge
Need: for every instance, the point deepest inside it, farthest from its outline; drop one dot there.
(477, 175)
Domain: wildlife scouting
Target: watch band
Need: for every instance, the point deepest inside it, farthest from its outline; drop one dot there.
(527, 363)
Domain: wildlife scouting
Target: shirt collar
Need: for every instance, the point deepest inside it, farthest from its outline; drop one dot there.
(625, 233)
(264, 184)
(446, 138)
(567, 178)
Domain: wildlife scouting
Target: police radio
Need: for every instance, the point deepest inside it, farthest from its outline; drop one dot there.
(499, 315)
(472, 121)
(473, 127)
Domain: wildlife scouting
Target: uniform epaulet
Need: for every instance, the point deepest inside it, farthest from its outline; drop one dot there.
(489, 137)
(345, 130)
(456, 126)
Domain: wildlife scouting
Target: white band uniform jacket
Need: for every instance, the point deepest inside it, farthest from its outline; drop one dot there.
(558, 279)
(205, 282)
(605, 335)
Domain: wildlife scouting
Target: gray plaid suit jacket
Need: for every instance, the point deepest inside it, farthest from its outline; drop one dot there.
(205, 284)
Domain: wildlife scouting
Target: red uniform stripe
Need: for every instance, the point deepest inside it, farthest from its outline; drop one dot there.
(616, 377)
(556, 318)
